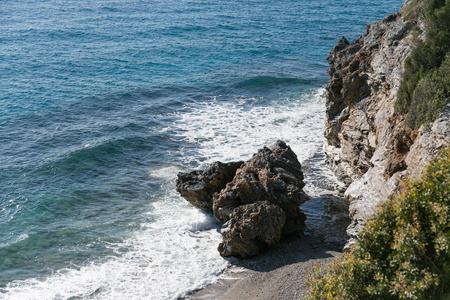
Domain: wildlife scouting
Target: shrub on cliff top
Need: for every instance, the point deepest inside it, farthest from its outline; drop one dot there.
(435, 88)
(404, 251)
(423, 66)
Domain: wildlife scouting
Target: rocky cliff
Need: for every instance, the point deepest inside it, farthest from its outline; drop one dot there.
(367, 143)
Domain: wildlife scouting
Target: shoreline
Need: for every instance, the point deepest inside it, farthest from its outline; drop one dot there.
(280, 272)
(277, 273)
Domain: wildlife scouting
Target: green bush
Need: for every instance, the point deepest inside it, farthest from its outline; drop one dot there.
(404, 251)
(435, 88)
(424, 62)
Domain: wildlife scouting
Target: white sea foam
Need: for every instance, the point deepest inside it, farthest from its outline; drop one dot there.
(16, 240)
(167, 258)
(166, 174)
(235, 130)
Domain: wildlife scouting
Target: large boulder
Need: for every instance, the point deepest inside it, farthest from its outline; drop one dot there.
(198, 187)
(251, 227)
(258, 200)
(273, 174)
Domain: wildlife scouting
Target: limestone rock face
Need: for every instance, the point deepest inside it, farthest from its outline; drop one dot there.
(364, 80)
(430, 141)
(367, 143)
(273, 174)
(198, 187)
(250, 228)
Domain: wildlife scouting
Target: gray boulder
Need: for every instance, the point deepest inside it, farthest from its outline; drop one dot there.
(273, 174)
(258, 200)
(198, 187)
(251, 227)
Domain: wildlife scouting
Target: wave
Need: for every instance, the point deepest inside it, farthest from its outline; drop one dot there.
(164, 260)
(104, 152)
(18, 239)
(269, 81)
(233, 130)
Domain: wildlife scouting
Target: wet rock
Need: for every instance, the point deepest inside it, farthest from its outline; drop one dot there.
(198, 187)
(250, 228)
(273, 174)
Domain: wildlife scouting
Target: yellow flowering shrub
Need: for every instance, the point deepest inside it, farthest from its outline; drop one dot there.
(403, 252)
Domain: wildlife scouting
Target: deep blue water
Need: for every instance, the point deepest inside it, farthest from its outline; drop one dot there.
(103, 102)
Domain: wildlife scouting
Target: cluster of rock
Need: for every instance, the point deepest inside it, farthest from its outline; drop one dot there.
(367, 143)
(258, 200)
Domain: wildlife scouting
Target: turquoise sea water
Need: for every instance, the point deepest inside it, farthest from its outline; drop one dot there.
(103, 102)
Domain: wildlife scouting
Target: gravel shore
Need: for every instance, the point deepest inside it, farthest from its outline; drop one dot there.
(279, 273)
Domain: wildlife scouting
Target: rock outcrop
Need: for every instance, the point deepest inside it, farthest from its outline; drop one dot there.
(273, 174)
(364, 80)
(367, 143)
(198, 187)
(258, 201)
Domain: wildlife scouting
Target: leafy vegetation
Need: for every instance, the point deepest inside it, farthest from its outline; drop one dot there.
(427, 65)
(435, 89)
(404, 251)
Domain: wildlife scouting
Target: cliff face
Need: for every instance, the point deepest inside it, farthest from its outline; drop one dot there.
(367, 143)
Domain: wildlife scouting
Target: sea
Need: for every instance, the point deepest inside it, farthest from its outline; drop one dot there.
(103, 102)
